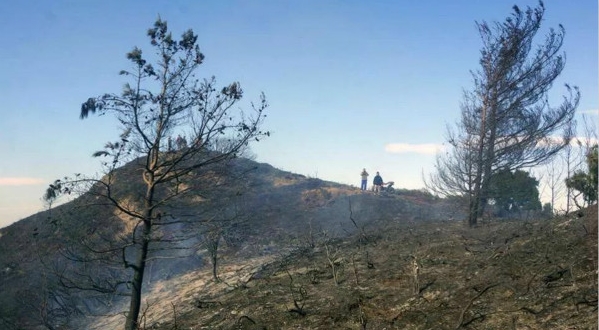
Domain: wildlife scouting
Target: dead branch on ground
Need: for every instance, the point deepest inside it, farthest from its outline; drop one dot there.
(299, 295)
(461, 322)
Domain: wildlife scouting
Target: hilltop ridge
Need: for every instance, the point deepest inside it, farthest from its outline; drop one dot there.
(315, 254)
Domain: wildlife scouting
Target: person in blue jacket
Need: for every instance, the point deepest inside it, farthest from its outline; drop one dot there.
(377, 183)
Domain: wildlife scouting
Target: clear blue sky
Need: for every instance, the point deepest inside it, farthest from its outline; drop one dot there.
(351, 84)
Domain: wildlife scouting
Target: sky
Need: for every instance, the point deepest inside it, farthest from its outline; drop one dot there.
(350, 84)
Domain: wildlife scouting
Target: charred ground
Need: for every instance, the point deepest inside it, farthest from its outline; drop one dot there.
(314, 254)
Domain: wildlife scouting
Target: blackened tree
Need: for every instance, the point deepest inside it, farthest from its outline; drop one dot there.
(506, 120)
(162, 104)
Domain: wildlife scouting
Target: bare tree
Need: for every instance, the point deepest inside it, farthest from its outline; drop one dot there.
(554, 181)
(507, 122)
(161, 101)
(573, 159)
(46, 304)
(454, 174)
(220, 224)
(571, 162)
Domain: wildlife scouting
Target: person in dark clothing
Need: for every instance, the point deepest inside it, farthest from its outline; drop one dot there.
(377, 183)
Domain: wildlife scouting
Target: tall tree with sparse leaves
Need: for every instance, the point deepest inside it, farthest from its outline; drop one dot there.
(507, 121)
(174, 124)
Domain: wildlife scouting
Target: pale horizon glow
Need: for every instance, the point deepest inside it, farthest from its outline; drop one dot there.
(425, 148)
(592, 112)
(20, 181)
(590, 141)
(576, 141)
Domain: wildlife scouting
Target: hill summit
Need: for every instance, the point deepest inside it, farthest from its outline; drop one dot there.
(293, 252)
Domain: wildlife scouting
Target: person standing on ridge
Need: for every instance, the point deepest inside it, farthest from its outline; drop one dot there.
(364, 175)
(377, 183)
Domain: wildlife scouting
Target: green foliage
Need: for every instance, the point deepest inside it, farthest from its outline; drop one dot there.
(586, 182)
(514, 191)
